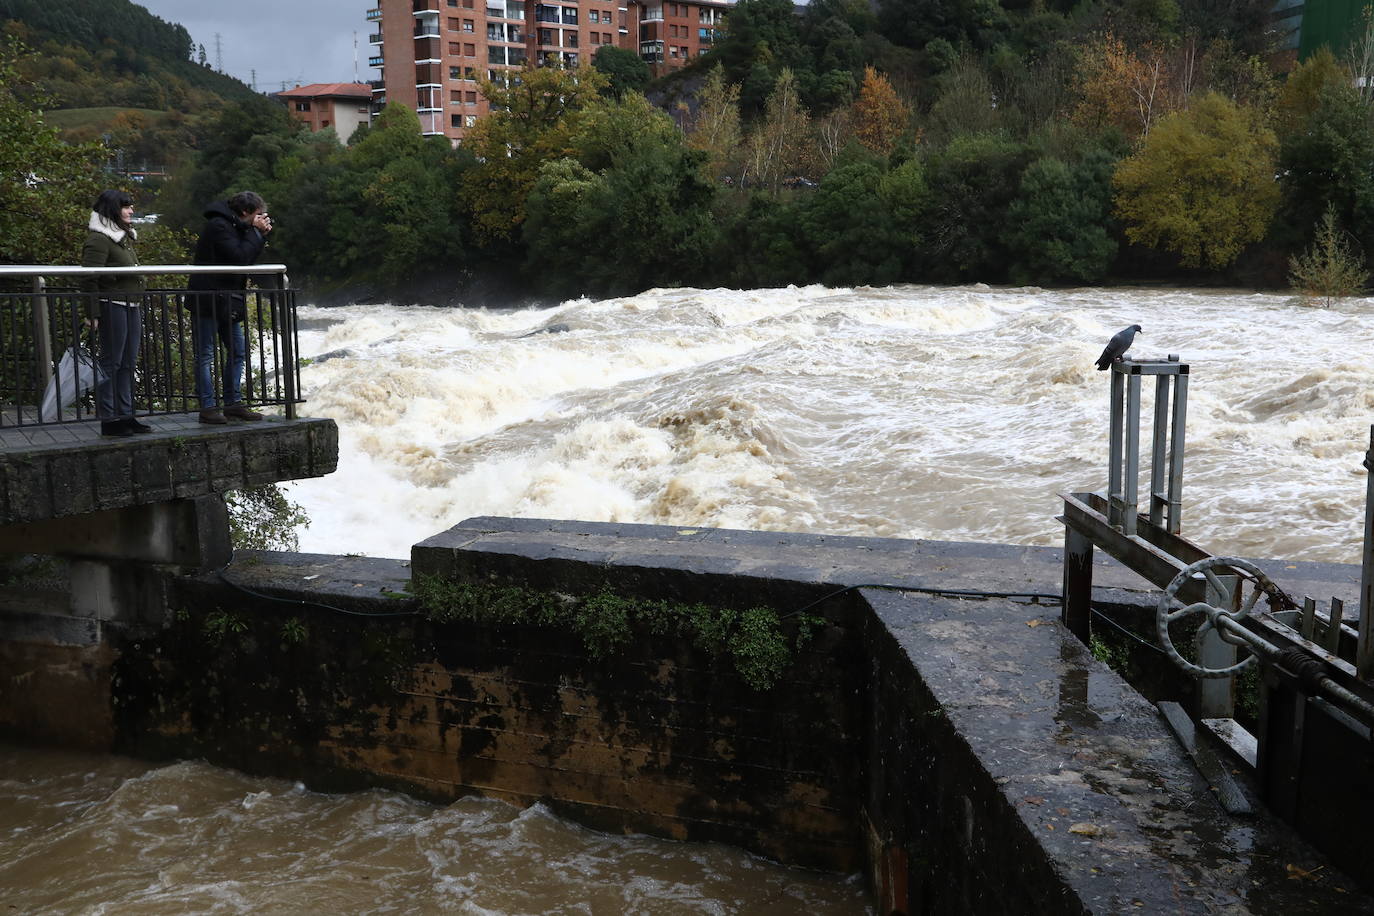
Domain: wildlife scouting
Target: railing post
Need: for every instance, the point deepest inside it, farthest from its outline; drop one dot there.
(42, 334)
(1116, 435)
(284, 317)
(1178, 432)
(1364, 647)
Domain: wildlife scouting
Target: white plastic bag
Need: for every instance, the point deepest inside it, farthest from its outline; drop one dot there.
(76, 374)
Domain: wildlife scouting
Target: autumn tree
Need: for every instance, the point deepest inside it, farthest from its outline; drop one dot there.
(1129, 88)
(879, 116)
(532, 118)
(778, 143)
(1202, 183)
(714, 128)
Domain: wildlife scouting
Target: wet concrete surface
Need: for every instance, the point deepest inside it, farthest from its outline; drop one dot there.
(1086, 767)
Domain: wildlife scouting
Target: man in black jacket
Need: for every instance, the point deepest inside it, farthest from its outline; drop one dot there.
(235, 233)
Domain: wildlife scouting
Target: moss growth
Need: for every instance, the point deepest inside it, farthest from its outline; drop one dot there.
(754, 638)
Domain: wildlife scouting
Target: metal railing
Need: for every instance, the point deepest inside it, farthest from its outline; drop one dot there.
(50, 354)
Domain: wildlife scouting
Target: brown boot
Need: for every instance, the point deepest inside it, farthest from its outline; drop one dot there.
(213, 415)
(239, 412)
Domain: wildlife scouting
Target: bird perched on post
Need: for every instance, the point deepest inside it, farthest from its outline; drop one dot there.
(1117, 346)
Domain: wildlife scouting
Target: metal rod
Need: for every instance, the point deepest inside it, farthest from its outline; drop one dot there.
(1114, 449)
(1332, 643)
(1177, 434)
(1159, 433)
(1273, 653)
(283, 311)
(42, 335)
(48, 270)
(1307, 625)
(1132, 488)
(1364, 647)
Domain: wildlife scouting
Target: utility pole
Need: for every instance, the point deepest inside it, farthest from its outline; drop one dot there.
(253, 84)
(355, 57)
(219, 55)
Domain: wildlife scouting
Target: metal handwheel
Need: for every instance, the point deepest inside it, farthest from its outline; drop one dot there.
(1164, 616)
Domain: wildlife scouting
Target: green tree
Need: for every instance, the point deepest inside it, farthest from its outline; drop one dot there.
(1202, 183)
(636, 190)
(972, 183)
(849, 226)
(625, 71)
(777, 145)
(1330, 269)
(1058, 224)
(1303, 89)
(46, 186)
(531, 123)
(1328, 161)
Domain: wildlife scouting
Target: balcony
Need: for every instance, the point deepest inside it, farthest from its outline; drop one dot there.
(424, 30)
(374, 14)
(375, 38)
(428, 49)
(377, 85)
(376, 61)
(425, 6)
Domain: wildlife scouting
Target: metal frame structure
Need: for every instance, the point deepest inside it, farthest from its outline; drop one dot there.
(1316, 695)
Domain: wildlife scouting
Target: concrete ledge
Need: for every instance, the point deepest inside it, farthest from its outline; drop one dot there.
(71, 476)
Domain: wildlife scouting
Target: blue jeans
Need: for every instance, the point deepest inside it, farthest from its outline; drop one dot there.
(206, 327)
(121, 333)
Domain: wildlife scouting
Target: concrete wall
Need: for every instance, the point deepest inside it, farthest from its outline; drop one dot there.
(968, 755)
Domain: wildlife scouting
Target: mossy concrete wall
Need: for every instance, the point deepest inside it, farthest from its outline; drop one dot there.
(968, 755)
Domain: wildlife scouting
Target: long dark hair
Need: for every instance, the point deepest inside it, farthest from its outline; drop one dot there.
(110, 203)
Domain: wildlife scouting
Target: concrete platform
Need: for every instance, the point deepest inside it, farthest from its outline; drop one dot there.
(62, 470)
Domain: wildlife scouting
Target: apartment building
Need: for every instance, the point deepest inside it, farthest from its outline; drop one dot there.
(671, 34)
(432, 52)
(342, 106)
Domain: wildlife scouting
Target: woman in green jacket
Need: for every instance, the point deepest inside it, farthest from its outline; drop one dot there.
(114, 305)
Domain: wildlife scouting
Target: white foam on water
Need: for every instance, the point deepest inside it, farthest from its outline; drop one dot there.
(953, 413)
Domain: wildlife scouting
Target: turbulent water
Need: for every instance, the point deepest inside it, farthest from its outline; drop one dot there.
(106, 835)
(907, 412)
(950, 413)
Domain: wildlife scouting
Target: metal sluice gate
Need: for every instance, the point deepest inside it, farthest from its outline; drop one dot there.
(1310, 753)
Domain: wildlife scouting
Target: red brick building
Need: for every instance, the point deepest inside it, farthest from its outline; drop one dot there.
(431, 52)
(342, 106)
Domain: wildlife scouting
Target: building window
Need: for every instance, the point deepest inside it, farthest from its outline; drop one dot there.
(546, 36)
(469, 73)
(469, 50)
(467, 4)
(595, 39)
(453, 23)
(455, 73)
(605, 38)
(472, 98)
(455, 97)
(302, 105)
(569, 39)
(453, 48)
(456, 121)
(452, 2)
(468, 25)
(593, 16)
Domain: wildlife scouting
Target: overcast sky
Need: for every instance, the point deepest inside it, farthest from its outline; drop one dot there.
(291, 41)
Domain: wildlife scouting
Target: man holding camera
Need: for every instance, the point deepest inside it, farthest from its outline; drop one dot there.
(235, 233)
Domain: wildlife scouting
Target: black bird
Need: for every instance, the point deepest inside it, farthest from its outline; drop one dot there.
(1117, 346)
